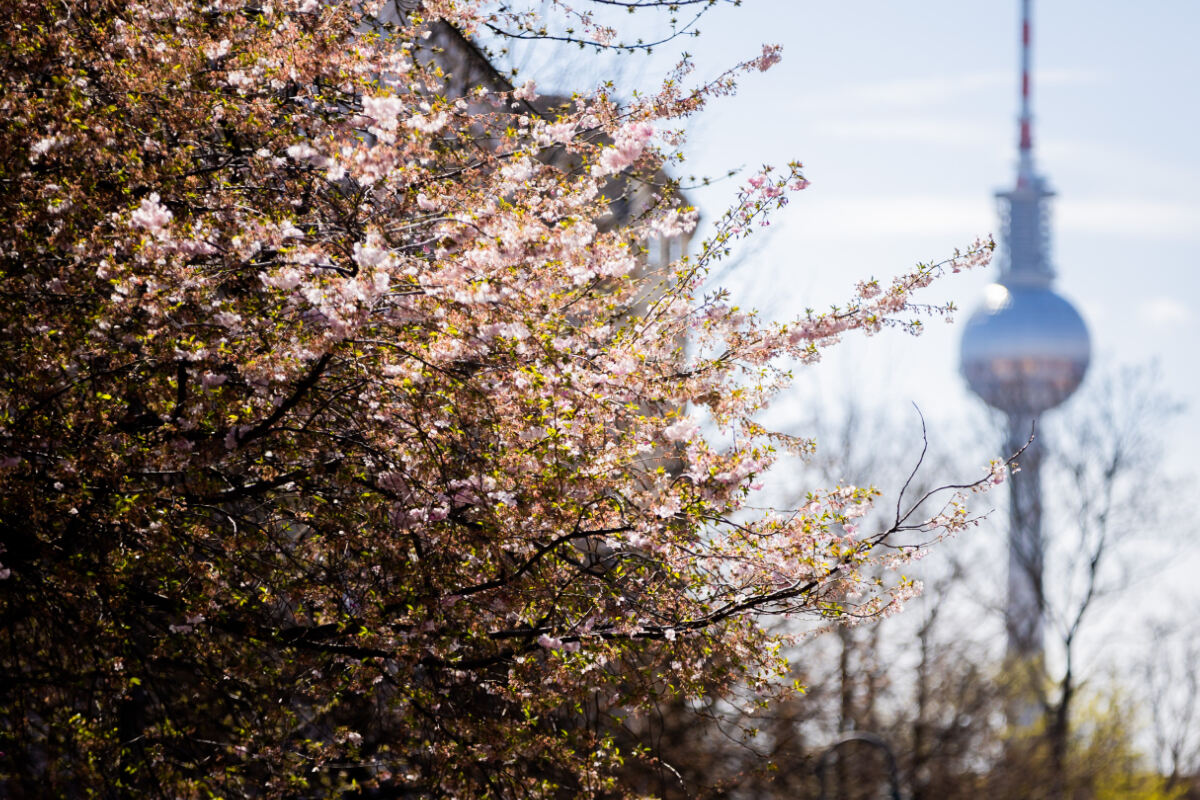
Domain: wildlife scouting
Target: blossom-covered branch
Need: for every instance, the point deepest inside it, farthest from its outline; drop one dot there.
(349, 437)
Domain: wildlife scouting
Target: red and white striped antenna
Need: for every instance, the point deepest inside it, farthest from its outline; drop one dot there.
(1026, 121)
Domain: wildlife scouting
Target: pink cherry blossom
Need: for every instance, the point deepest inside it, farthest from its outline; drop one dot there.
(151, 214)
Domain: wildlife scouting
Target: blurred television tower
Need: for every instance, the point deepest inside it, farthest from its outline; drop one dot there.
(1024, 351)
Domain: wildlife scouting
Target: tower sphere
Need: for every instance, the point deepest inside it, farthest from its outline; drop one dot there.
(1025, 350)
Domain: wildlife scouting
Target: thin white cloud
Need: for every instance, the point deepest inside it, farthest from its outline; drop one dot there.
(971, 215)
(1163, 312)
(924, 92)
(1131, 217)
(923, 130)
(1105, 157)
(929, 110)
(897, 215)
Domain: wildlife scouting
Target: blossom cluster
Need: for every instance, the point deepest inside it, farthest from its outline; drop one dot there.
(348, 434)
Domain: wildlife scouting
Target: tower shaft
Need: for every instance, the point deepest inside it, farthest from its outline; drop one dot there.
(1026, 237)
(1025, 609)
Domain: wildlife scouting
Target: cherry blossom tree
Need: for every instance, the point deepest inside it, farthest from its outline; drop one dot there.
(348, 444)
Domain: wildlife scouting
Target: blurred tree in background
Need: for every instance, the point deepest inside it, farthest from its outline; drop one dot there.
(1116, 712)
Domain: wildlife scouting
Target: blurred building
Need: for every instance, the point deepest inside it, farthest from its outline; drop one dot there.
(467, 66)
(1025, 351)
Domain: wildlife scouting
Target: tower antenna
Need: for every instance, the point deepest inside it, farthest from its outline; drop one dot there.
(1025, 144)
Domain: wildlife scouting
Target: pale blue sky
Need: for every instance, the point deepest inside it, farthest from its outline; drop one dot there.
(904, 115)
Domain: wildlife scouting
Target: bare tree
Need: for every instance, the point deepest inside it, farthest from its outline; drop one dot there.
(1171, 686)
(1106, 487)
(933, 682)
